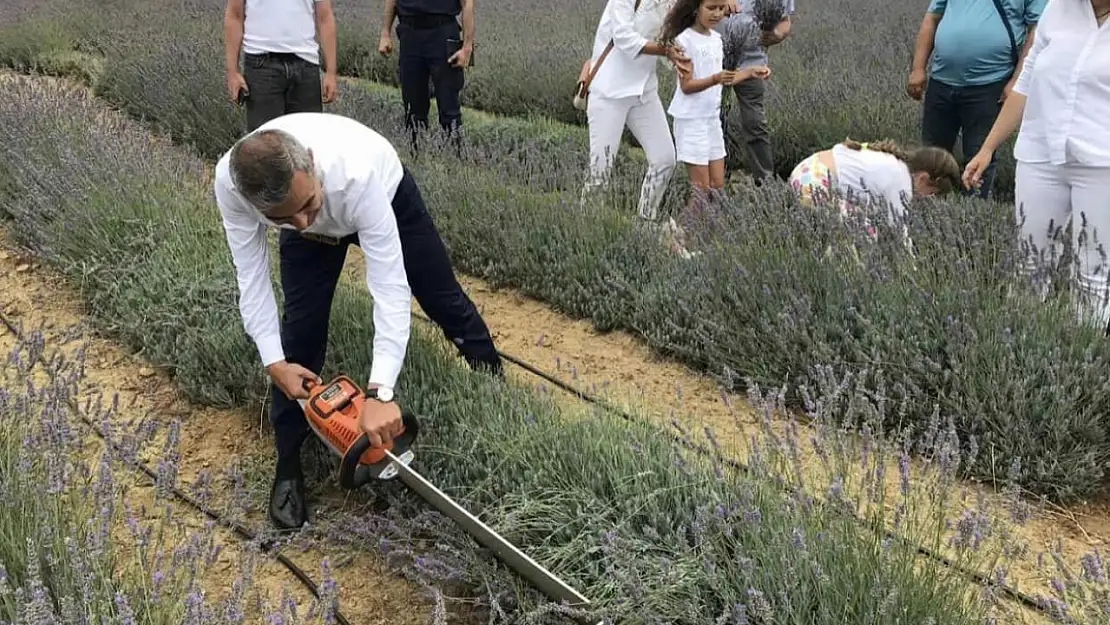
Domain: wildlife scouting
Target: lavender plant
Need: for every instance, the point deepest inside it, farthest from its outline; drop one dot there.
(738, 33)
(768, 13)
(648, 531)
(69, 518)
(765, 303)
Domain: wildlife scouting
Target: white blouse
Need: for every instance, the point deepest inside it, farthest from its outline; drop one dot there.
(626, 72)
(1066, 78)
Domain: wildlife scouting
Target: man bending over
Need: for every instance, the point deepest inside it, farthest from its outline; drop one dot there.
(328, 182)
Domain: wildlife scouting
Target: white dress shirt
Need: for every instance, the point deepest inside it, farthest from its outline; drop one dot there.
(1066, 78)
(359, 173)
(287, 26)
(626, 72)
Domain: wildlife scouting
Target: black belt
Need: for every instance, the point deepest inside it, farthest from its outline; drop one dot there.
(427, 20)
(277, 56)
(321, 238)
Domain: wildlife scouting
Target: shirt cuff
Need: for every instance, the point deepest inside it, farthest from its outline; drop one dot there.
(270, 349)
(384, 370)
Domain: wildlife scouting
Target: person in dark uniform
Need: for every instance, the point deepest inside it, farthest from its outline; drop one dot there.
(435, 47)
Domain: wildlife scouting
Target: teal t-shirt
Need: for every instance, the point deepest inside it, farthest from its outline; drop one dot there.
(971, 46)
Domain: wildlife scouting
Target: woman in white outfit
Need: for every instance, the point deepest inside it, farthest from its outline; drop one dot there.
(1062, 101)
(625, 92)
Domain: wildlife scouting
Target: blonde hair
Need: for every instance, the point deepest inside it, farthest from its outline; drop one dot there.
(943, 170)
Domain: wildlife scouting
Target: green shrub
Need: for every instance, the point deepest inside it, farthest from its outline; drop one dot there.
(766, 303)
(650, 535)
(68, 513)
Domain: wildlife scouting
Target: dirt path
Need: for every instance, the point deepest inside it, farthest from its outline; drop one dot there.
(211, 440)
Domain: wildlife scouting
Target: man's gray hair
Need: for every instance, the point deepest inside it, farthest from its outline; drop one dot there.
(262, 165)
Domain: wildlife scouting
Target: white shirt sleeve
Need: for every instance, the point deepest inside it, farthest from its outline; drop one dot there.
(246, 238)
(625, 36)
(1021, 85)
(386, 279)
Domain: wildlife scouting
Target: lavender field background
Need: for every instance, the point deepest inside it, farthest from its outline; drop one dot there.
(945, 358)
(656, 535)
(841, 73)
(766, 304)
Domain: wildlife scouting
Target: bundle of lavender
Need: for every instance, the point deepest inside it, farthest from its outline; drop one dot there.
(768, 13)
(738, 33)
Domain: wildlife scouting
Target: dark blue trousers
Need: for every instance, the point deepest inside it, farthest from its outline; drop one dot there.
(950, 110)
(309, 272)
(424, 47)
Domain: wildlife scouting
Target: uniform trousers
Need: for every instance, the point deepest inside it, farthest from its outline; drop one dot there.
(310, 270)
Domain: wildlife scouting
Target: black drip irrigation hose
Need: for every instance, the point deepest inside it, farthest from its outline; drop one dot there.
(736, 465)
(244, 533)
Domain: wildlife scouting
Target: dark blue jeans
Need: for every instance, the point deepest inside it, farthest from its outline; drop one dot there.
(949, 110)
(280, 84)
(309, 272)
(423, 49)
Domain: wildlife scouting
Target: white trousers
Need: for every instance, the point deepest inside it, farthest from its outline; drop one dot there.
(1047, 196)
(645, 118)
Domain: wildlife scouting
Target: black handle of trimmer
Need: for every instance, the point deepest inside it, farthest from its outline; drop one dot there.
(352, 474)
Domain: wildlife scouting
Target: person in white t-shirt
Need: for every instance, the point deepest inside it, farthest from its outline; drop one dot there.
(696, 104)
(281, 57)
(879, 174)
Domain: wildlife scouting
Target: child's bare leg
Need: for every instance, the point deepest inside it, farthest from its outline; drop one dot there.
(699, 181)
(699, 176)
(716, 170)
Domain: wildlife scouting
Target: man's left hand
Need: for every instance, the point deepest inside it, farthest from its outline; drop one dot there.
(460, 58)
(331, 87)
(380, 421)
(733, 6)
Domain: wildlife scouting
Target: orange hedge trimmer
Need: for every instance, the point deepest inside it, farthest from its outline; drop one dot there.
(333, 411)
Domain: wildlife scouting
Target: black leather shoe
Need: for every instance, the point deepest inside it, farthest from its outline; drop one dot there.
(287, 505)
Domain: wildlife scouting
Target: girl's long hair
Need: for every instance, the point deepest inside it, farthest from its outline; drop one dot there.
(682, 15)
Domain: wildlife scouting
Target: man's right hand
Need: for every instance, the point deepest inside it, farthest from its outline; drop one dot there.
(290, 377)
(385, 44)
(235, 82)
(915, 87)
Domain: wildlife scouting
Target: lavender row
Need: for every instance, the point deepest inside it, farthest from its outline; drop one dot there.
(955, 327)
(649, 532)
(828, 83)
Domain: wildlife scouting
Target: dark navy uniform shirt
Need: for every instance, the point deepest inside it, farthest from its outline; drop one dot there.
(428, 7)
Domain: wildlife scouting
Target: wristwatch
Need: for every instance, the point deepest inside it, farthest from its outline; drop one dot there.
(382, 393)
